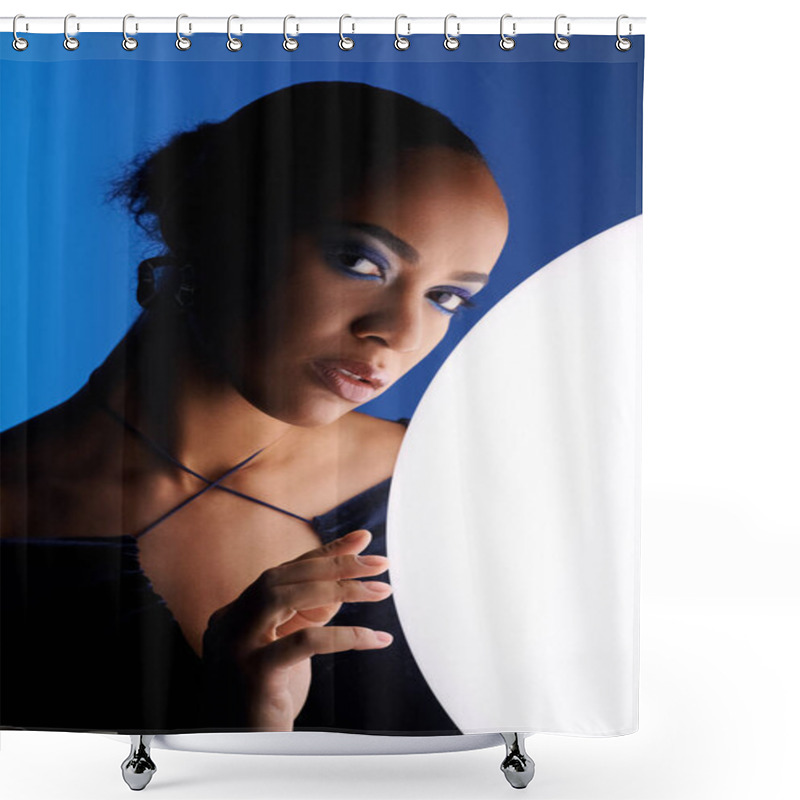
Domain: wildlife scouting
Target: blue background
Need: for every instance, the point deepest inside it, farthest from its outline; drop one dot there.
(560, 130)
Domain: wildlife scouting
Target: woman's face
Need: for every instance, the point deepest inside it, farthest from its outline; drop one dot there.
(373, 289)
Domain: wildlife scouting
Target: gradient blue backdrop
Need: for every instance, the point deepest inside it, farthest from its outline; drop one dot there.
(560, 130)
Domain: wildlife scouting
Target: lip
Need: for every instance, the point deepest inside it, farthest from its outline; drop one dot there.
(346, 386)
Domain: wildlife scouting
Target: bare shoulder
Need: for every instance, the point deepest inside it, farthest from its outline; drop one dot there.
(11, 478)
(18, 456)
(375, 432)
(370, 444)
(39, 457)
(375, 426)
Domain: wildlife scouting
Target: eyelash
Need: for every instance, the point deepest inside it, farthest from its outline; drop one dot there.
(360, 254)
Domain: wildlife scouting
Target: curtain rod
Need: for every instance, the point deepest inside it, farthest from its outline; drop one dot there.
(513, 26)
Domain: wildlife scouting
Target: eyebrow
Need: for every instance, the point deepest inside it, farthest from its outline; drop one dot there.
(407, 252)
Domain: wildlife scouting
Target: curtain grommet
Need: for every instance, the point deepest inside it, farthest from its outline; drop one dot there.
(181, 42)
(507, 42)
(622, 44)
(345, 42)
(401, 42)
(70, 42)
(561, 44)
(233, 44)
(128, 42)
(451, 42)
(289, 44)
(18, 43)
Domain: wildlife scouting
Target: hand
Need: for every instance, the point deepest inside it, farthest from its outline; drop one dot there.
(257, 649)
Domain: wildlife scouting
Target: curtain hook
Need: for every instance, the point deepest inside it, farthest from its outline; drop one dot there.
(451, 42)
(400, 42)
(233, 44)
(622, 44)
(18, 43)
(70, 42)
(181, 42)
(345, 42)
(288, 42)
(506, 42)
(127, 42)
(561, 43)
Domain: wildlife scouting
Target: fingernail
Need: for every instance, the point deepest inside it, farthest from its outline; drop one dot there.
(371, 561)
(377, 586)
(346, 539)
(384, 637)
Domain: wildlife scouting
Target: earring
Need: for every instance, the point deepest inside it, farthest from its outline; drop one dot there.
(150, 283)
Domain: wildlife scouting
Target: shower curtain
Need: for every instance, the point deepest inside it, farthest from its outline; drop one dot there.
(274, 306)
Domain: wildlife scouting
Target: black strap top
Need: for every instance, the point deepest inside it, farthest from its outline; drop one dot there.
(86, 644)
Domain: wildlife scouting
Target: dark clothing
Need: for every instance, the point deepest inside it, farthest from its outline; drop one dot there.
(86, 644)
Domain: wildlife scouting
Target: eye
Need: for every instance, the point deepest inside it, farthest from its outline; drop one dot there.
(363, 263)
(357, 261)
(452, 300)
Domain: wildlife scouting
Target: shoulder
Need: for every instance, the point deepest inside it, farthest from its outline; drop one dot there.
(373, 433)
(19, 447)
(45, 437)
(376, 425)
(368, 445)
(41, 459)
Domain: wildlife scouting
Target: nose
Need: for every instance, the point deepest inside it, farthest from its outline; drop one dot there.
(398, 322)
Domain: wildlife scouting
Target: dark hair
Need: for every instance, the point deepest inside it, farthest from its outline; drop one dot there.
(224, 195)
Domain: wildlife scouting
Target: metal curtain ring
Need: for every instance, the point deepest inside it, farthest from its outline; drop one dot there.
(127, 42)
(400, 42)
(70, 42)
(288, 42)
(233, 44)
(506, 42)
(345, 42)
(451, 42)
(181, 42)
(561, 43)
(18, 43)
(622, 44)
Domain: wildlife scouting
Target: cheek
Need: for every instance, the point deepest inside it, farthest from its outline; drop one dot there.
(437, 336)
(435, 331)
(310, 305)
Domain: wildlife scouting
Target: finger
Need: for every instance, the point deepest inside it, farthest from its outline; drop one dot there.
(284, 602)
(353, 542)
(250, 605)
(310, 617)
(310, 641)
(339, 567)
(332, 567)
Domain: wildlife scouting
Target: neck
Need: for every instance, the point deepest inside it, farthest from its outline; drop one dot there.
(163, 382)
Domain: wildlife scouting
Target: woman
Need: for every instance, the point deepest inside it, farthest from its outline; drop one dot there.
(317, 243)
